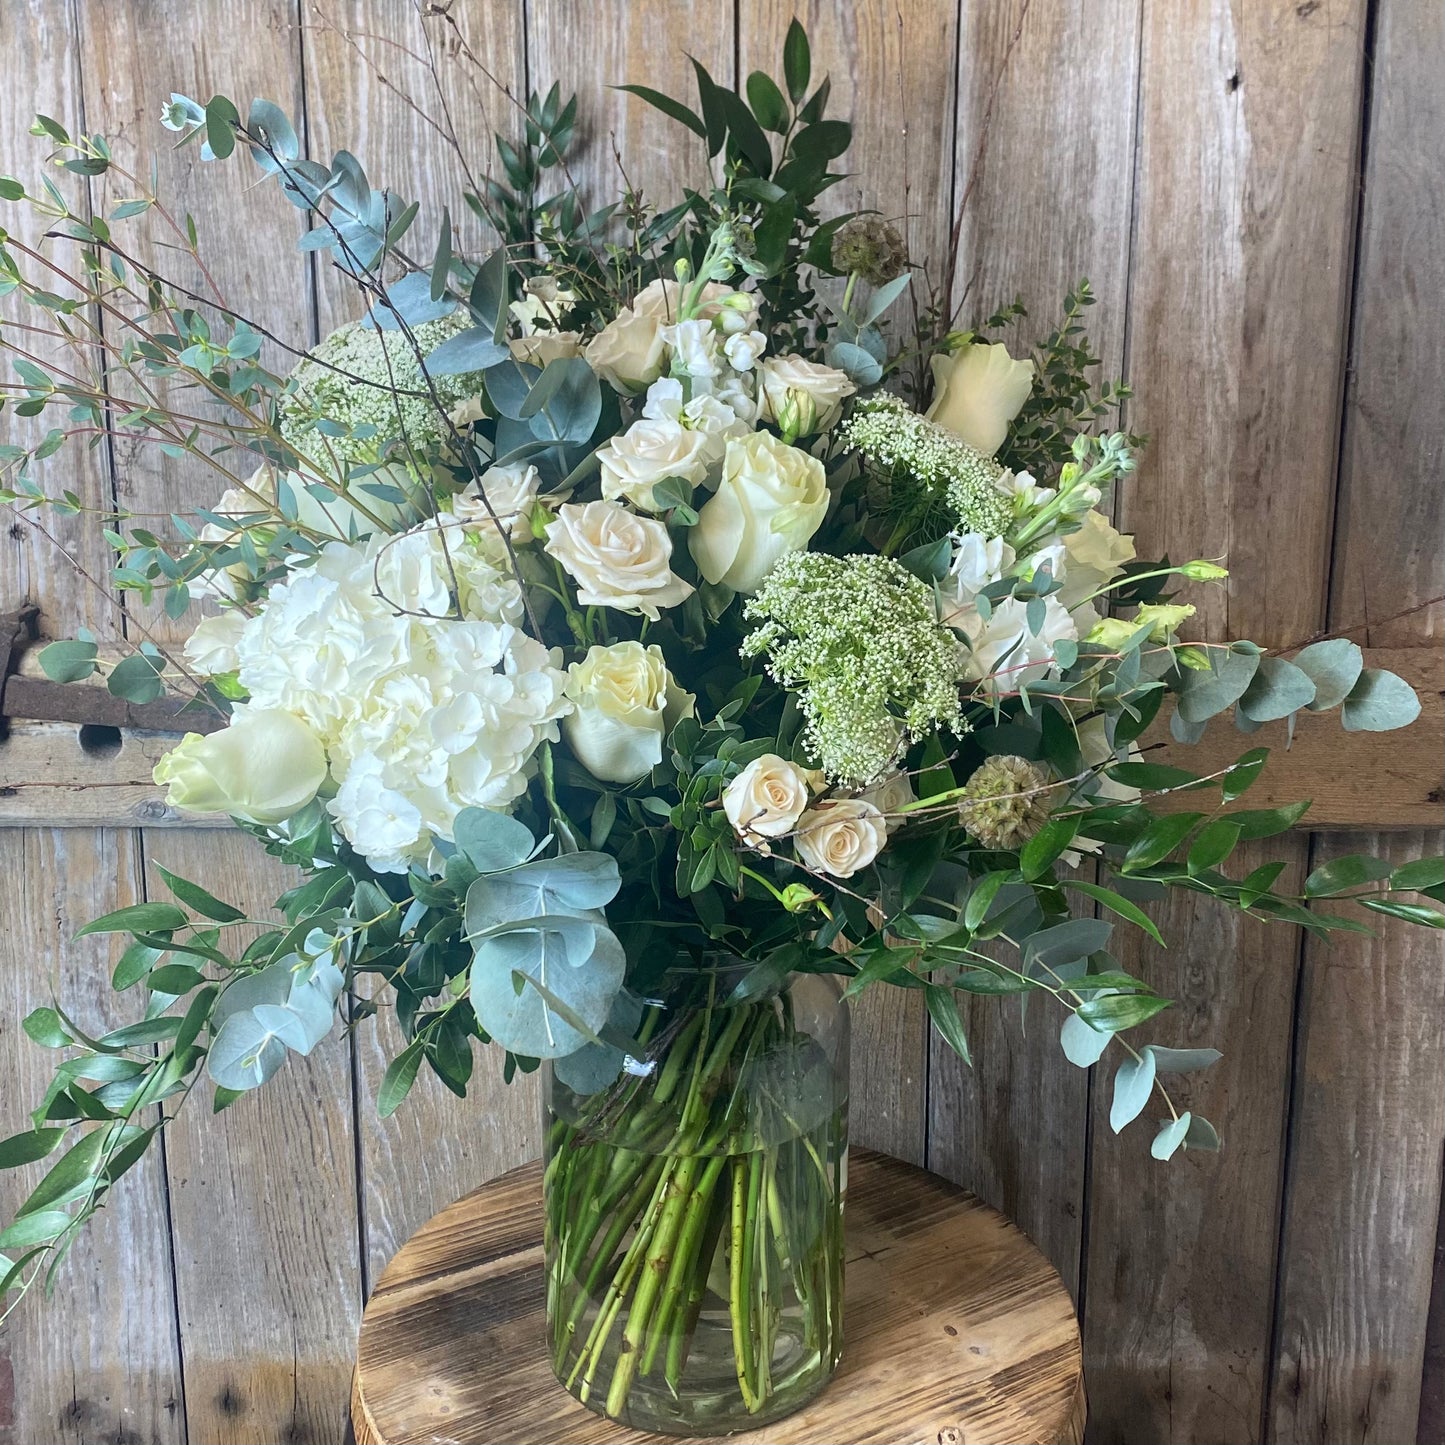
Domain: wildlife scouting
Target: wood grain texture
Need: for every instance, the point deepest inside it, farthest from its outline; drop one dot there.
(1362, 1185)
(62, 1377)
(1245, 202)
(1028, 151)
(264, 1202)
(892, 70)
(958, 1329)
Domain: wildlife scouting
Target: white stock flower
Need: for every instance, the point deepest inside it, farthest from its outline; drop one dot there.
(617, 558)
(264, 766)
(771, 500)
(717, 302)
(800, 395)
(1002, 652)
(977, 392)
(211, 647)
(978, 561)
(1025, 493)
(840, 837)
(743, 349)
(766, 798)
(629, 351)
(695, 350)
(625, 702)
(890, 794)
(421, 714)
(646, 453)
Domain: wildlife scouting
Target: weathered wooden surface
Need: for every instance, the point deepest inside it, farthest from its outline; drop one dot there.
(957, 1328)
(1220, 241)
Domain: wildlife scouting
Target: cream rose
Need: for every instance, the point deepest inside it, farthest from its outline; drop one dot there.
(211, 647)
(511, 489)
(800, 396)
(617, 558)
(537, 348)
(977, 392)
(625, 703)
(841, 837)
(890, 795)
(264, 767)
(646, 453)
(771, 500)
(629, 351)
(766, 798)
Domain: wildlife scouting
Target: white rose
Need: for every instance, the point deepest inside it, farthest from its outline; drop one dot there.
(766, 798)
(617, 558)
(211, 648)
(800, 396)
(265, 766)
(625, 703)
(771, 500)
(465, 412)
(511, 489)
(977, 392)
(540, 347)
(841, 837)
(890, 795)
(646, 453)
(629, 351)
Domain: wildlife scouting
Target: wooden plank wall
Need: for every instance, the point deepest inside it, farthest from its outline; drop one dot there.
(1256, 192)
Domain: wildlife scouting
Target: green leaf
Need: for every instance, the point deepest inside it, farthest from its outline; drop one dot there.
(44, 1027)
(492, 841)
(767, 102)
(1170, 1136)
(137, 678)
(1379, 702)
(196, 898)
(39, 1227)
(1216, 841)
(1241, 776)
(399, 1077)
(1082, 1043)
(1066, 943)
(1419, 874)
(797, 61)
(1133, 1083)
(1277, 689)
(1117, 1011)
(1151, 775)
(1117, 903)
(1406, 912)
(138, 918)
(944, 1011)
(69, 661)
(1201, 1134)
(1347, 872)
(1334, 666)
(442, 260)
(1266, 822)
(175, 979)
(1039, 853)
(1181, 1061)
(1158, 840)
(467, 351)
(28, 1146)
(1203, 694)
(668, 106)
(221, 120)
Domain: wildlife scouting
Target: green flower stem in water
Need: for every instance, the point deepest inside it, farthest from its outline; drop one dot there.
(660, 1182)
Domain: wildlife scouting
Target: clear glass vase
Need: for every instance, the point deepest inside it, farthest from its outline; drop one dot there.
(694, 1209)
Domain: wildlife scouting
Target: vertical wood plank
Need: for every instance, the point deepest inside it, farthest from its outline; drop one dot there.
(264, 1203)
(370, 89)
(644, 41)
(1362, 1187)
(1050, 202)
(1245, 207)
(62, 1377)
(891, 65)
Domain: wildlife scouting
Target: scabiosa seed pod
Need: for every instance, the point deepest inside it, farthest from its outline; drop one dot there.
(871, 247)
(1002, 806)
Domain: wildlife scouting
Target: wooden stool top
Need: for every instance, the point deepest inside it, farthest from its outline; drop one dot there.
(956, 1329)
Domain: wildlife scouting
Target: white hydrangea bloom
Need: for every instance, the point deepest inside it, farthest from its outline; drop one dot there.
(421, 714)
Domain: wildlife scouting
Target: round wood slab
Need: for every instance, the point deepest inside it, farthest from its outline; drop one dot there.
(957, 1330)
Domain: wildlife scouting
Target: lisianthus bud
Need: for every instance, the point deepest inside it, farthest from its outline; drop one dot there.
(1003, 804)
(798, 898)
(1194, 658)
(1201, 571)
(871, 248)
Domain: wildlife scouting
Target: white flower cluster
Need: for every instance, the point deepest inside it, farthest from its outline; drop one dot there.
(420, 714)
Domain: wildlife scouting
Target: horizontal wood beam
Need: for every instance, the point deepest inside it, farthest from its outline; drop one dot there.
(1367, 781)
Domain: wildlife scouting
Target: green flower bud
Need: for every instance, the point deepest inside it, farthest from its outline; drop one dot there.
(1003, 805)
(1194, 658)
(1201, 571)
(798, 898)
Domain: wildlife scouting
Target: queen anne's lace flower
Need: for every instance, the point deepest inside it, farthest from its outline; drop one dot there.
(858, 638)
(421, 714)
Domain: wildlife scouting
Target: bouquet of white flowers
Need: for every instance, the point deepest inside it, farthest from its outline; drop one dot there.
(623, 652)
